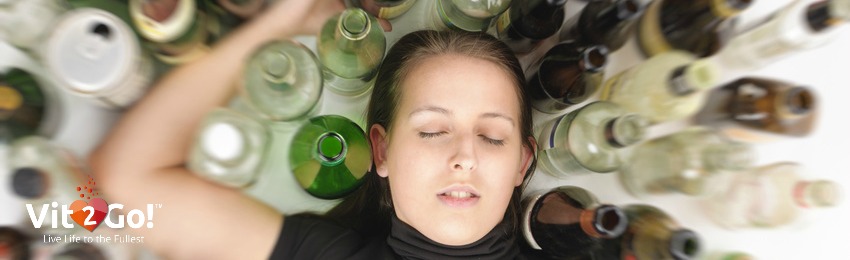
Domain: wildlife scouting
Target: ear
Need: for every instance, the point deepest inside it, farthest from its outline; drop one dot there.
(528, 154)
(378, 137)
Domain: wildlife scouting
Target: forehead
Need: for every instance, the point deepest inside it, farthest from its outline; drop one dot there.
(470, 84)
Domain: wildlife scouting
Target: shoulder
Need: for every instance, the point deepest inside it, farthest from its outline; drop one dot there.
(314, 237)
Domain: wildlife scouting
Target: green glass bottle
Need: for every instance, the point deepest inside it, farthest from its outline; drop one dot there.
(329, 156)
(587, 140)
(351, 47)
(566, 75)
(603, 22)
(757, 109)
(384, 9)
(694, 162)
(22, 103)
(568, 222)
(467, 15)
(283, 81)
(700, 27)
(652, 234)
(770, 196)
(668, 86)
(230, 148)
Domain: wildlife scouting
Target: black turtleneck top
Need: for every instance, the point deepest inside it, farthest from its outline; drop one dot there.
(311, 237)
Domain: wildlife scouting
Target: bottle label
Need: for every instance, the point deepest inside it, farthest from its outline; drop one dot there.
(678, 84)
(10, 98)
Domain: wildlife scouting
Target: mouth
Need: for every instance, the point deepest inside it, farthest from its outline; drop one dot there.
(459, 197)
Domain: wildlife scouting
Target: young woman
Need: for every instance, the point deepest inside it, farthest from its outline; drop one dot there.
(450, 128)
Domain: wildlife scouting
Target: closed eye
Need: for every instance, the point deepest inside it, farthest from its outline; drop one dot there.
(427, 135)
(493, 141)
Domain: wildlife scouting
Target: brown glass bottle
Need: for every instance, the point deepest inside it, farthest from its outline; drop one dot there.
(22, 104)
(698, 26)
(526, 23)
(566, 75)
(750, 106)
(14, 244)
(652, 234)
(605, 22)
(568, 222)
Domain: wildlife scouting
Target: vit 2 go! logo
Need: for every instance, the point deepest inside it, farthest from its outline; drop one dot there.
(91, 214)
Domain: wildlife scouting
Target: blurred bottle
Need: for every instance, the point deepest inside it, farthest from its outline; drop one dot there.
(798, 26)
(669, 86)
(567, 222)
(22, 104)
(384, 9)
(729, 256)
(587, 140)
(694, 162)
(700, 27)
(769, 196)
(329, 156)
(759, 109)
(94, 54)
(176, 29)
(351, 47)
(652, 234)
(25, 24)
(229, 148)
(603, 22)
(566, 75)
(245, 9)
(79, 251)
(526, 23)
(14, 244)
(283, 81)
(467, 15)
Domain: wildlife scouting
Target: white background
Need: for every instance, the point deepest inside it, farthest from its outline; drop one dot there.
(823, 153)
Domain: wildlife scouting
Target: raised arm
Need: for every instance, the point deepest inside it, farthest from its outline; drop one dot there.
(142, 160)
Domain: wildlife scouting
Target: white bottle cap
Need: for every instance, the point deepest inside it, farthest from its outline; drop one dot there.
(92, 52)
(223, 141)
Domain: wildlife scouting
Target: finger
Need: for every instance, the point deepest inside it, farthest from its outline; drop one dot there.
(388, 27)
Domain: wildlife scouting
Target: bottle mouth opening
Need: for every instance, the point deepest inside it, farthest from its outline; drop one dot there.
(30, 183)
(612, 221)
(800, 101)
(684, 244)
(595, 57)
(331, 147)
(276, 66)
(626, 130)
(354, 23)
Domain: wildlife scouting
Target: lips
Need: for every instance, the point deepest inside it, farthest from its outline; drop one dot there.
(459, 196)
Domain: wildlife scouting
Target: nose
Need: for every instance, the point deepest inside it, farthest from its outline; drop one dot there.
(464, 158)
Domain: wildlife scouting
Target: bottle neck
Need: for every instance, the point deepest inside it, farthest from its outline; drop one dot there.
(626, 130)
(331, 148)
(683, 244)
(816, 194)
(546, 10)
(604, 221)
(278, 69)
(795, 102)
(352, 28)
(593, 58)
(611, 16)
(700, 75)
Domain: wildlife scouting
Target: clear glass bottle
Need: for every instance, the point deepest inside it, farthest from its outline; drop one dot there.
(467, 15)
(117, 70)
(351, 47)
(283, 81)
(329, 155)
(587, 140)
(176, 29)
(567, 222)
(22, 103)
(566, 75)
(759, 109)
(229, 148)
(695, 162)
(603, 22)
(384, 9)
(669, 86)
(796, 27)
(526, 23)
(700, 27)
(25, 23)
(769, 196)
(652, 234)
(14, 244)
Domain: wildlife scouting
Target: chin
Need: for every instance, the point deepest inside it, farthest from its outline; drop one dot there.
(458, 233)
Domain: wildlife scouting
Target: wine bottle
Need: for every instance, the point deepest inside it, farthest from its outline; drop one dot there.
(669, 86)
(526, 23)
(14, 244)
(117, 69)
(603, 22)
(467, 15)
(176, 29)
(694, 162)
(22, 104)
(283, 80)
(351, 47)
(759, 109)
(799, 26)
(769, 196)
(587, 140)
(700, 27)
(25, 23)
(566, 75)
(568, 222)
(329, 156)
(651, 234)
(384, 9)
(229, 148)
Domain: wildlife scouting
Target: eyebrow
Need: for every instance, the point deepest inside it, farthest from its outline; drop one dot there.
(446, 112)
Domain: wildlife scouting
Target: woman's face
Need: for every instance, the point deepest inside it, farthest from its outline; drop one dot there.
(454, 153)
